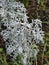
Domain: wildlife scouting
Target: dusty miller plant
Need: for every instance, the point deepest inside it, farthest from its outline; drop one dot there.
(19, 35)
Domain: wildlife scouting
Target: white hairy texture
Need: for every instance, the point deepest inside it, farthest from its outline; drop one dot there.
(19, 34)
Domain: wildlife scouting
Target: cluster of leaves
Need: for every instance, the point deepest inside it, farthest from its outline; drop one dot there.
(39, 9)
(18, 33)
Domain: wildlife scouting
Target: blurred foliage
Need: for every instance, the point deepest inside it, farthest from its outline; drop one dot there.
(1, 49)
(3, 60)
(35, 9)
